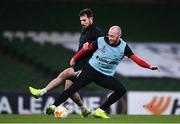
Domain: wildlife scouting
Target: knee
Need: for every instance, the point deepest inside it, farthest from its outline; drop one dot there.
(121, 91)
(66, 73)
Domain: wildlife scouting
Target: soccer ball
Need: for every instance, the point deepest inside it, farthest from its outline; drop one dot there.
(60, 112)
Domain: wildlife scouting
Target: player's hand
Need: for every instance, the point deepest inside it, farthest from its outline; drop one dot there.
(85, 46)
(153, 67)
(72, 62)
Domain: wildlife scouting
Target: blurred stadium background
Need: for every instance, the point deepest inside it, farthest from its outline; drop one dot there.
(38, 38)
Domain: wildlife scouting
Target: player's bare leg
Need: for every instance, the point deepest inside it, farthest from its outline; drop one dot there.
(77, 99)
(66, 74)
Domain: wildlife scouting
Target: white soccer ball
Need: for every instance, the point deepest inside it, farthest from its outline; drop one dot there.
(60, 112)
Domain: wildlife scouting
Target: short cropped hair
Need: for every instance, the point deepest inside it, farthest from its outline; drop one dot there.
(87, 12)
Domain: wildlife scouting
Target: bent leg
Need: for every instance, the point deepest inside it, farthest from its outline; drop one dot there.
(79, 82)
(67, 73)
(112, 84)
(75, 97)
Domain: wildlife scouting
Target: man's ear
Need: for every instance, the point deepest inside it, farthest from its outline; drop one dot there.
(91, 19)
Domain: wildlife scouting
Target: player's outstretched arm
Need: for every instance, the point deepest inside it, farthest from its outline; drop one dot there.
(143, 63)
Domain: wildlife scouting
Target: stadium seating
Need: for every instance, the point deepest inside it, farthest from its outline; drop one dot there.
(16, 76)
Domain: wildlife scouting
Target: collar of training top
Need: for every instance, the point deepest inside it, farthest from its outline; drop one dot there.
(88, 28)
(113, 45)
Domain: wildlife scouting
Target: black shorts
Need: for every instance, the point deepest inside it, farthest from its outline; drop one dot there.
(80, 64)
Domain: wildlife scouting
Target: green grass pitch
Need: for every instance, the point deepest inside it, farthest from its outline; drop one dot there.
(78, 119)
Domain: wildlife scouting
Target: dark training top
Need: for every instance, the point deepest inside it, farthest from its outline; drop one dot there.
(89, 35)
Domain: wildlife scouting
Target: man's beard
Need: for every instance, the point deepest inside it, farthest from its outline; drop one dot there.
(83, 26)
